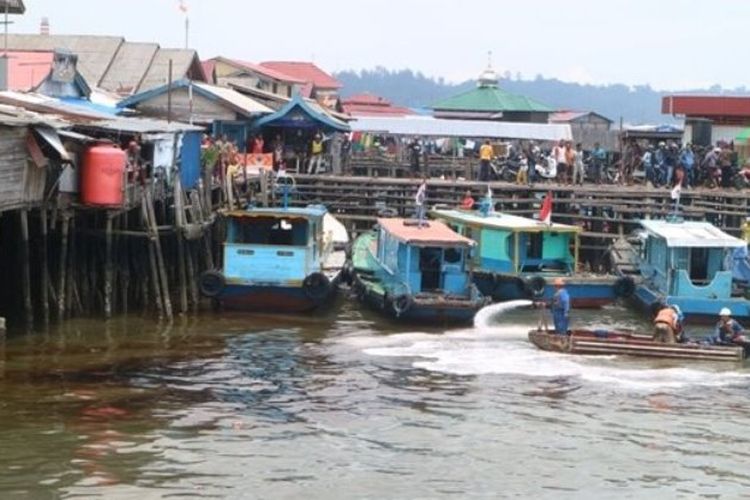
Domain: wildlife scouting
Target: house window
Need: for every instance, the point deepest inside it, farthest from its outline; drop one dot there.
(275, 88)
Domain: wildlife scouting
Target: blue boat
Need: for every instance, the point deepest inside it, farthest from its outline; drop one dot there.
(412, 271)
(279, 259)
(519, 258)
(685, 263)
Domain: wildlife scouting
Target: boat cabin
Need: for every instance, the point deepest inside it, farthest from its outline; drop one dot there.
(686, 258)
(509, 244)
(426, 258)
(274, 246)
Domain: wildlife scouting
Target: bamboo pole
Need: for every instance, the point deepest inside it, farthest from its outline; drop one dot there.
(64, 230)
(108, 271)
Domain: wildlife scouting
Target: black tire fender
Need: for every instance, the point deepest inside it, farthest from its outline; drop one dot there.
(400, 304)
(317, 286)
(211, 283)
(534, 286)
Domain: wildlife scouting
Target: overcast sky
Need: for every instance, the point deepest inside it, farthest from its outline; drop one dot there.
(669, 44)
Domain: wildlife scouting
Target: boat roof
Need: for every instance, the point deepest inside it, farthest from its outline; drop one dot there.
(500, 220)
(430, 233)
(310, 211)
(691, 234)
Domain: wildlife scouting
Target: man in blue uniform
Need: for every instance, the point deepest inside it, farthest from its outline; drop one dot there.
(729, 331)
(560, 307)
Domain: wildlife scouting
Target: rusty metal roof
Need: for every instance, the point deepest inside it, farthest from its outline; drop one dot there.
(129, 67)
(429, 234)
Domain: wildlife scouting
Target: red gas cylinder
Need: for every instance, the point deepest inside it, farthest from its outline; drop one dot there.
(102, 175)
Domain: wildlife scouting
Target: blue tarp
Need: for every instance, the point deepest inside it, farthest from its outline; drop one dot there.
(190, 165)
(741, 264)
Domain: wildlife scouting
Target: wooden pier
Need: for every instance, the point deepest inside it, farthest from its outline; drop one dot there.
(604, 211)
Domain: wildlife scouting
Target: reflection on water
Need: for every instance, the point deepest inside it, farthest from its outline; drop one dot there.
(346, 405)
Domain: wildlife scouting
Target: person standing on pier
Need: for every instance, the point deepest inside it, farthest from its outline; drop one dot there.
(558, 153)
(316, 154)
(578, 173)
(420, 199)
(485, 156)
(598, 162)
(561, 307)
(256, 146)
(415, 155)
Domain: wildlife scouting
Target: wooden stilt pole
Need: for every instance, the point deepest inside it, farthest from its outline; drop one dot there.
(159, 257)
(108, 272)
(152, 262)
(45, 267)
(26, 269)
(179, 221)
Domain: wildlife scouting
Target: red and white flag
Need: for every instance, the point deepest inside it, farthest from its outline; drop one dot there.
(545, 214)
(183, 6)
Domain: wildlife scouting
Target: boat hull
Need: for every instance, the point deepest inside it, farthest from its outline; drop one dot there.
(272, 298)
(695, 309)
(585, 293)
(602, 342)
(436, 310)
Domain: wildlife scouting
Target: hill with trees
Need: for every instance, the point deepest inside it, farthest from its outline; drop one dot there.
(639, 104)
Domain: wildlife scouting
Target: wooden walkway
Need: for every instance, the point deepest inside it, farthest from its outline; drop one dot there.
(604, 211)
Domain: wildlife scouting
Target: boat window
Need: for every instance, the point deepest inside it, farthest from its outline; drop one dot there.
(269, 231)
(430, 266)
(534, 245)
(698, 264)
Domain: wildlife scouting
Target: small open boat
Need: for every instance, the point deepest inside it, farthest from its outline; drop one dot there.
(633, 344)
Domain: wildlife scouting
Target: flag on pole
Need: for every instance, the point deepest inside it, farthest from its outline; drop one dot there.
(545, 214)
(183, 7)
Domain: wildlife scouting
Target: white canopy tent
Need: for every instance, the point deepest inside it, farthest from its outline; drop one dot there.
(436, 127)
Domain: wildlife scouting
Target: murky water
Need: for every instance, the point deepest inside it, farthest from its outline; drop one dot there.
(347, 406)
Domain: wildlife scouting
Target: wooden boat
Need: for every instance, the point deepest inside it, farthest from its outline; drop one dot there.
(279, 259)
(681, 263)
(413, 271)
(519, 258)
(592, 342)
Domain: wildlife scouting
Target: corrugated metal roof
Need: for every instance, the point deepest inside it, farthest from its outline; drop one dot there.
(140, 125)
(503, 221)
(158, 73)
(429, 233)
(435, 127)
(240, 102)
(129, 67)
(13, 6)
(95, 53)
(26, 70)
(687, 234)
(568, 116)
(491, 99)
(305, 71)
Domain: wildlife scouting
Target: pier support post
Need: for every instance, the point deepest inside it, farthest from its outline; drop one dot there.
(64, 229)
(26, 269)
(45, 266)
(108, 268)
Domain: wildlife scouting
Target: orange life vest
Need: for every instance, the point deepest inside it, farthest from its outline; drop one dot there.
(668, 317)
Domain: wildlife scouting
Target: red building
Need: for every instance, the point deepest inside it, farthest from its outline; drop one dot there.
(709, 118)
(367, 104)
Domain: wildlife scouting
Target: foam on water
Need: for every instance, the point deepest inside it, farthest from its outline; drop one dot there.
(493, 347)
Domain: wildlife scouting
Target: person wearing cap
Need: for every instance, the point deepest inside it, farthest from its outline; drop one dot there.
(560, 307)
(667, 328)
(728, 330)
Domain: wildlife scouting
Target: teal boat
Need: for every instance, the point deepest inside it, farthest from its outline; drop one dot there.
(413, 271)
(684, 263)
(519, 258)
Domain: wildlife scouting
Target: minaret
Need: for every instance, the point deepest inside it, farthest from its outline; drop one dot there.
(488, 78)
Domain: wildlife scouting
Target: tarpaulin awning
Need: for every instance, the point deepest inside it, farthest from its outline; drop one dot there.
(436, 127)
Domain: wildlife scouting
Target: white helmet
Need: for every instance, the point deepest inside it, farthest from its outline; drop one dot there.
(725, 311)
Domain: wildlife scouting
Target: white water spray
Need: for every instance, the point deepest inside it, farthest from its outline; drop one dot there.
(485, 316)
